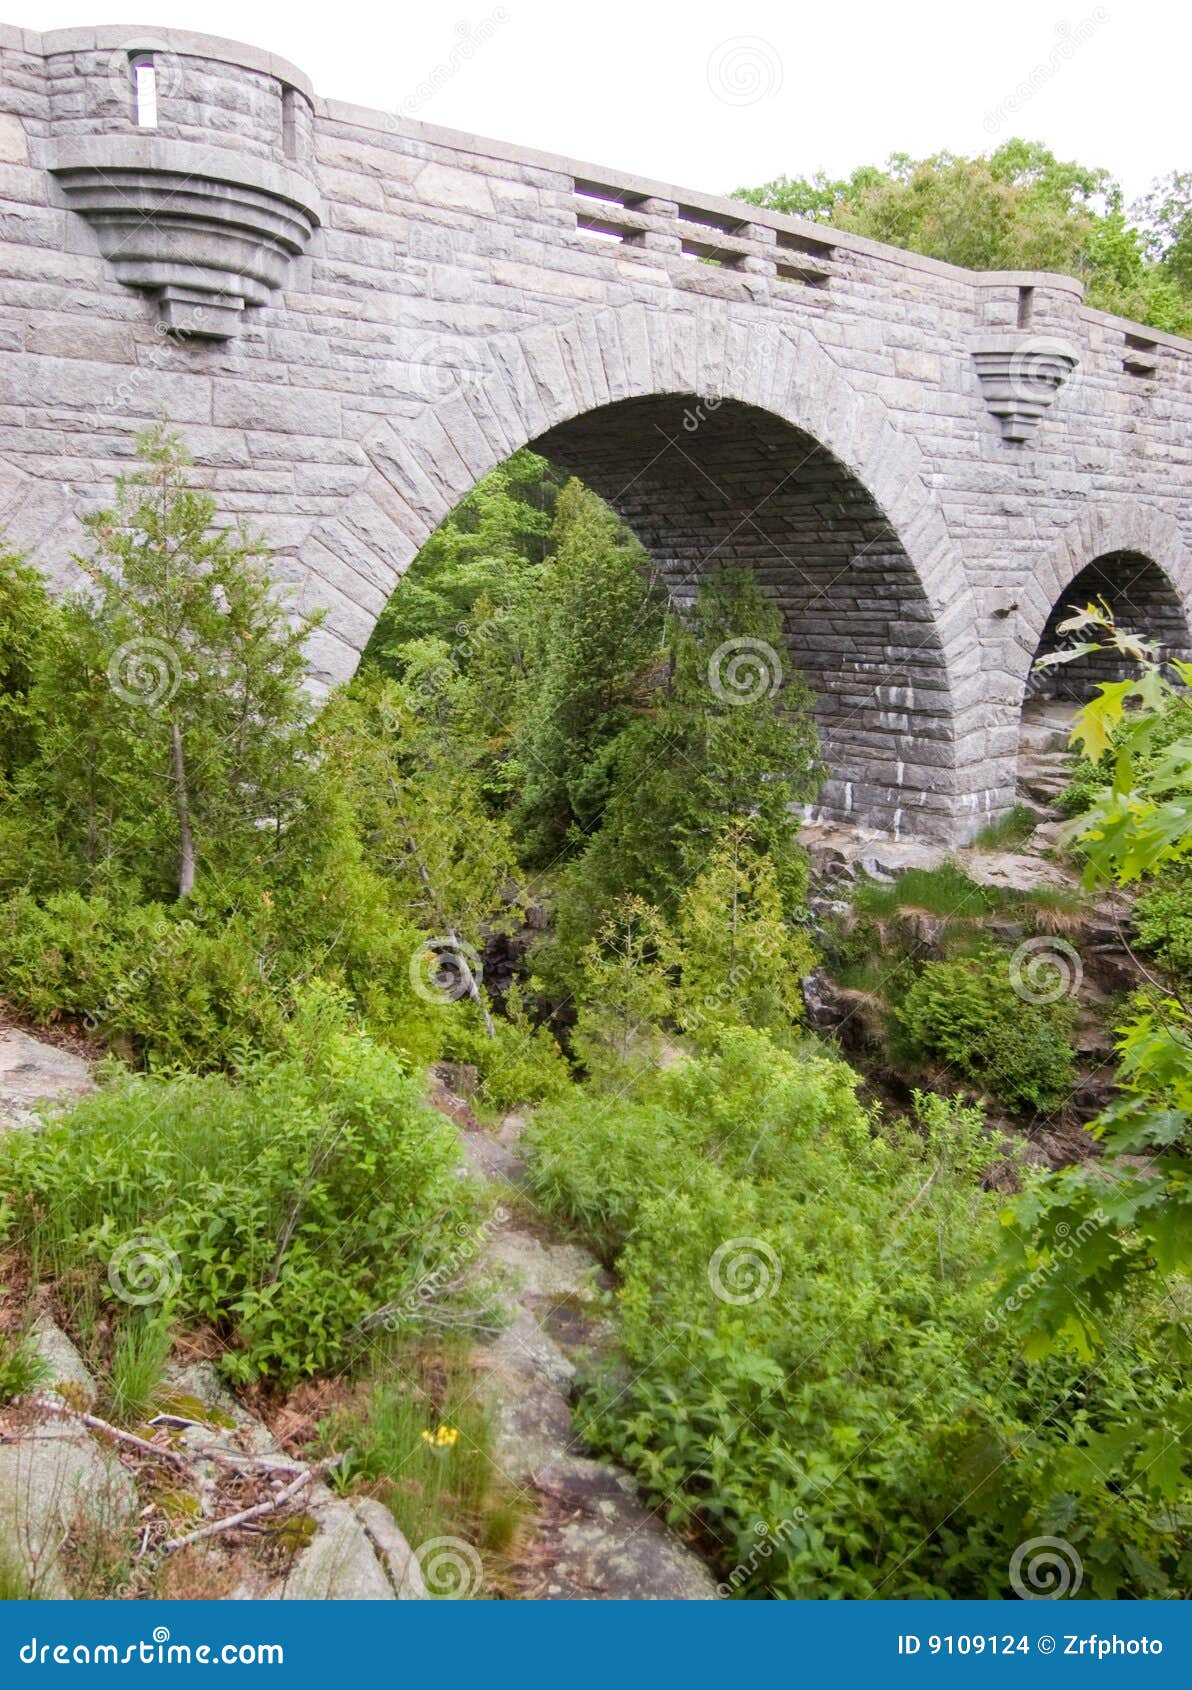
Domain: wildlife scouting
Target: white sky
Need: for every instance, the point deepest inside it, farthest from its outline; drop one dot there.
(650, 87)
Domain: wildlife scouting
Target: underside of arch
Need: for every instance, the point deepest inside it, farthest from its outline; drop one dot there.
(789, 468)
(708, 486)
(1143, 600)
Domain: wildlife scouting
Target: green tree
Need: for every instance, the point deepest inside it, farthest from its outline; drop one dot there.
(597, 623)
(25, 617)
(496, 536)
(170, 695)
(1165, 215)
(742, 962)
(626, 992)
(419, 813)
(725, 738)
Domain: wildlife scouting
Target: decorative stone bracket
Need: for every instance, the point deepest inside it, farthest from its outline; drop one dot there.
(206, 229)
(1021, 373)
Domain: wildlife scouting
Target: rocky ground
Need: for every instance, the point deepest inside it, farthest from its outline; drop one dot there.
(841, 857)
(594, 1536)
(74, 1489)
(33, 1073)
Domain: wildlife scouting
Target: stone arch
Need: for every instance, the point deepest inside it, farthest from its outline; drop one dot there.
(1133, 557)
(485, 399)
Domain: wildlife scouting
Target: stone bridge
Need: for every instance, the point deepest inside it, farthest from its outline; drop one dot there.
(352, 316)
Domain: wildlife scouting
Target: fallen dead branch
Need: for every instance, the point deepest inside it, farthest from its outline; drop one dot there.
(95, 1424)
(258, 1510)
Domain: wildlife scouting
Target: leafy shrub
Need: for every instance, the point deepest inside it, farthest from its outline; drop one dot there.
(966, 1012)
(519, 1064)
(21, 1368)
(1163, 922)
(281, 1208)
(152, 976)
(744, 1105)
(25, 614)
(810, 1379)
(741, 961)
(1092, 776)
(199, 983)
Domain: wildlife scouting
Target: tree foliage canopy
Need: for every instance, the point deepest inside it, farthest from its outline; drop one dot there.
(1016, 208)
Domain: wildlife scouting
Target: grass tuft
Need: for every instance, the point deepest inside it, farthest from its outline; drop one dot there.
(1009, 831)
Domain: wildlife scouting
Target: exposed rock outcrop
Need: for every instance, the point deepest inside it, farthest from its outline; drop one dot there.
(35, 1076)
(596, 1538)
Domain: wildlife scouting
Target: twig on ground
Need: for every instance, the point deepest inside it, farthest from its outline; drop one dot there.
(270, 1506)
(95, 1424)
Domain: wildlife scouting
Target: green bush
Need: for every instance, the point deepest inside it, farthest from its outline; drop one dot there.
(200, 983)
(1163, 922)
(25, 614)
(1091, 776)
(745, 1107)
(966, 1012)
(155, 978)
(281, 1208)
(21, 1368)
(519, 1064)
(810, 1380)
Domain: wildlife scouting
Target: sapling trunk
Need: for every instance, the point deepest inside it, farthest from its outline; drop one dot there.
(186, 850)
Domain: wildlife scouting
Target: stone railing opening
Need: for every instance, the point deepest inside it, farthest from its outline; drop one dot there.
(645, 223)
(1140, 356)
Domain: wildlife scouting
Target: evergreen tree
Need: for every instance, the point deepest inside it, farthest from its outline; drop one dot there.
(495, 538)
(393, 749)
(625, 994)
(597, 627)
(170, 694)
(25, 617)
(742, 962)
(700, 756)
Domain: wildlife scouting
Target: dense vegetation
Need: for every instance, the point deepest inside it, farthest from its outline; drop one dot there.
(533, 838)
(1017, 208)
